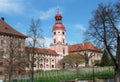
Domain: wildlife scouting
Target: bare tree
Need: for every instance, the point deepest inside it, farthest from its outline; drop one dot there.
(15, 60)
(104, 30)
(87, 56)
(35, 36)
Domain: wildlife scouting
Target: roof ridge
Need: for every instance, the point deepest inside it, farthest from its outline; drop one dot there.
(82, 46)
(9, 30)
(43, 51)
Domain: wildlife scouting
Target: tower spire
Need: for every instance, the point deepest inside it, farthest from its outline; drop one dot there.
(58, 9)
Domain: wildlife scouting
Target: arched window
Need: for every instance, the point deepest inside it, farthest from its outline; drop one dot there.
(63, 33)
(54, 33)
(52, 60)
(63, 41)
(47, 60)
(47, 66)
(63, 50)
(54, 40)
(52, 66)
(41, 65)
(41, 59)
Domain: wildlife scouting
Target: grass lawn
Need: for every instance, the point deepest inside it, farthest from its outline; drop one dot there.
(83, 73)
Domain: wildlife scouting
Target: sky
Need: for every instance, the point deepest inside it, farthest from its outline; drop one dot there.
(76, 15)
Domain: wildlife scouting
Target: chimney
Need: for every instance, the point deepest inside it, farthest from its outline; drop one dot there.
(2, 18)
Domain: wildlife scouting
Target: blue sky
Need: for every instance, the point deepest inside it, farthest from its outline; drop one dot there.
(76, 15)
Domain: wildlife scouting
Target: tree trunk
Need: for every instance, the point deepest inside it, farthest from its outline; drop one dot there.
(117, 75)
(32, 74)
(63, 65)
(10, 70)
(86, 62)
(117, 70)
(33, 53)
(11, 59)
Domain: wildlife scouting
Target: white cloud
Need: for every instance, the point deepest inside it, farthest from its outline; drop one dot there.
(19, 25)
(41, 43)
(48, 41)
(47, 14)
(11, 6)
(79, 26)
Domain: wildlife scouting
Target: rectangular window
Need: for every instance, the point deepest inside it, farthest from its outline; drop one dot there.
(2, 43)
(1, 54)
(52, 66)
(63, 51)
(1, 72)
(63, 41)
(1, 63)
(27, 65)
(19, 55)
(54, 40)
(19, 44)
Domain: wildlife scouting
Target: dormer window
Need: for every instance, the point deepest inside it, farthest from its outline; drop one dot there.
(6, 28)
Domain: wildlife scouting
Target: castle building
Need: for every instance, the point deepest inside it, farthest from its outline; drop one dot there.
(89, 52)
(12, 49)
(12, 44)
(45, 59)
(59, 44)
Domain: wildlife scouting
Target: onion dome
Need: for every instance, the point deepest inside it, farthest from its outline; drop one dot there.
(58, 25)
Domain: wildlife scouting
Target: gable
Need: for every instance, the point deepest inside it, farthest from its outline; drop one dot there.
(6, 29)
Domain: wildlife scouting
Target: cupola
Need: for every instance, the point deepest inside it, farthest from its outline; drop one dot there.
(58, 18)
(58, 23)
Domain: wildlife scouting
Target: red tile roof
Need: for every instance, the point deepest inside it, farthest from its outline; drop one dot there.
(58, 15)
(8, 30)
(82, 46)
(58, 26)
(42, 51)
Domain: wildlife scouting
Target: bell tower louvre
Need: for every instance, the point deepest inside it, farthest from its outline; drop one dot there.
(59, 36)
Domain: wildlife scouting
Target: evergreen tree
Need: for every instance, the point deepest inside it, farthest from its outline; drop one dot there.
(105, 59)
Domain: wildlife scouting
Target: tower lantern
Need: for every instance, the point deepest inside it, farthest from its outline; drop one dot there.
(58, 18)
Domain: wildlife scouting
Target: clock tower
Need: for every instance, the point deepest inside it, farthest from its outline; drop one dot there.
(59, 37)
